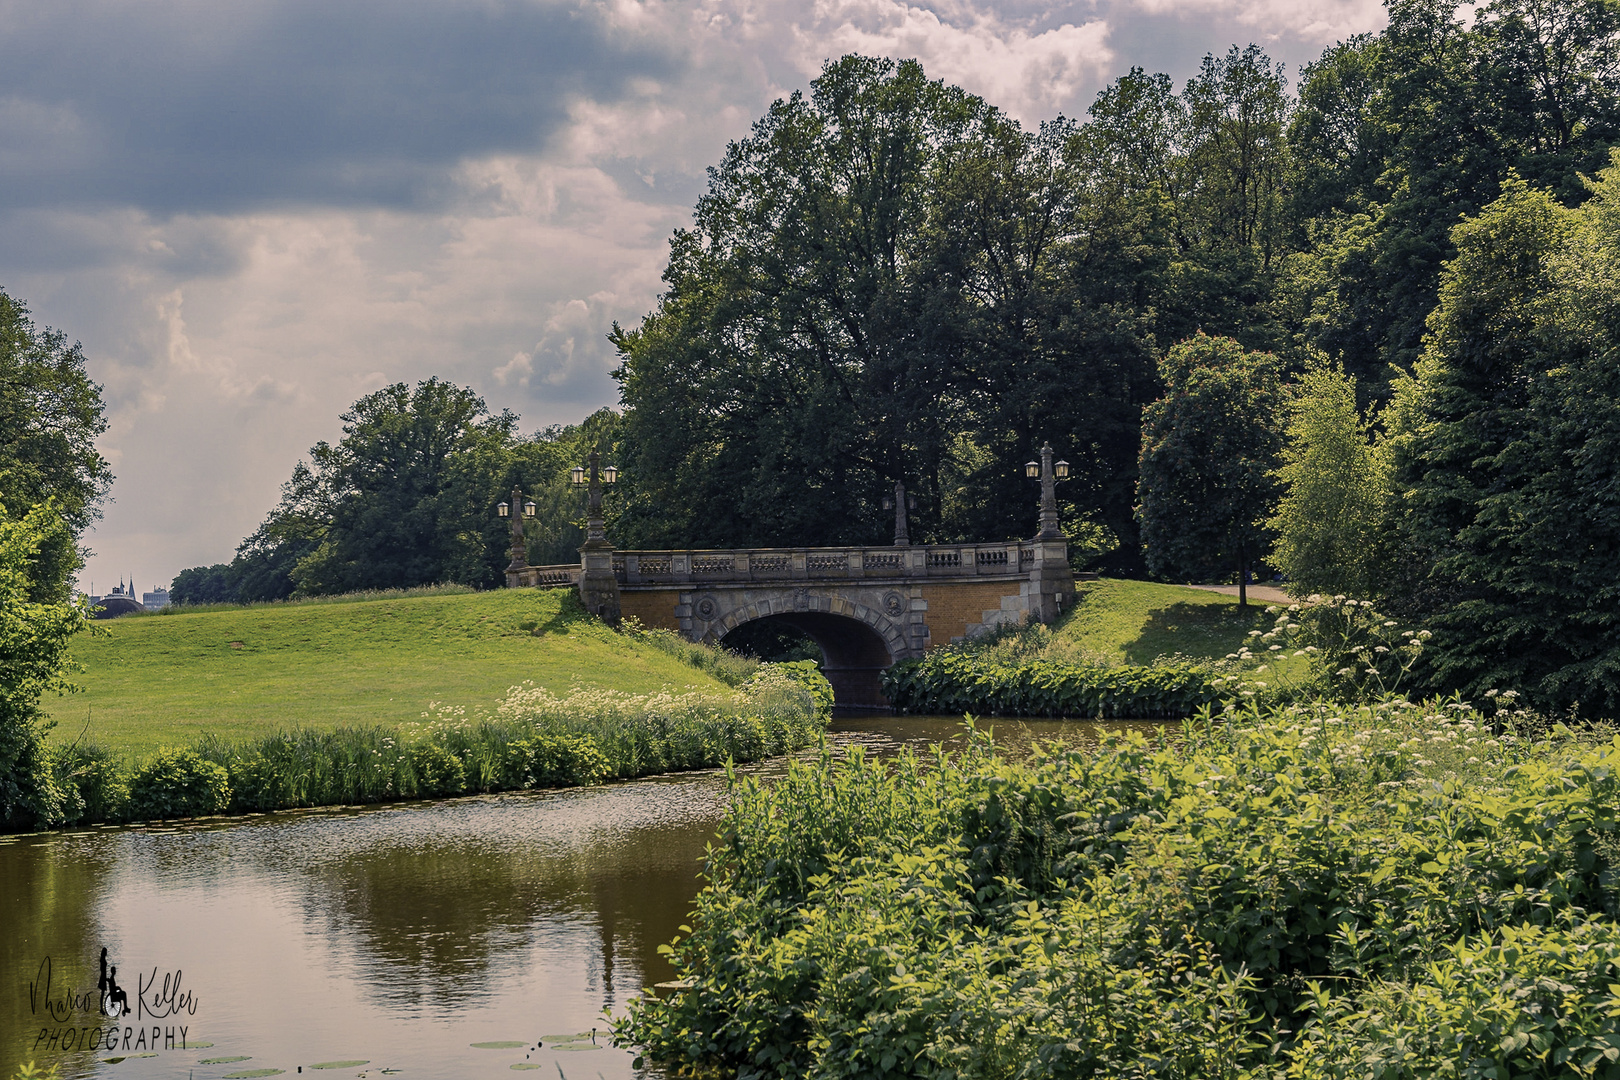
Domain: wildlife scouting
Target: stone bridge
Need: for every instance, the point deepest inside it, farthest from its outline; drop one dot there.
(866, 607)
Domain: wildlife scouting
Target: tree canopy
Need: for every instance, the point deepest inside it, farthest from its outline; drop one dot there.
(1210, 450)
(50, 418)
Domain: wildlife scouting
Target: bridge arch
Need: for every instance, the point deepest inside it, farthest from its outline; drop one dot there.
(856, 646)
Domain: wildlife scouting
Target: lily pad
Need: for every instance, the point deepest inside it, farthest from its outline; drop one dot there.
(196, 1046)
(341, 1064)
(225, 1060)
(523, 1066)
(246, 1073)
(111, 1061)
(143, 1055)
(504, 1044)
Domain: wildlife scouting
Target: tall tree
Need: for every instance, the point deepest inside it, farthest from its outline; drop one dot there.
(1210, 450)
(888, 281)
(1429, 118)
(50, 418)
(1508, 449)
(387, 506)
(1335, 490)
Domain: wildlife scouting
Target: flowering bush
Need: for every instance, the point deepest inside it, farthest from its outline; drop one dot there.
(1352, 653)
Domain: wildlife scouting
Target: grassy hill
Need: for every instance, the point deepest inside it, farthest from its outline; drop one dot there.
(1133, 622)
(158, 680)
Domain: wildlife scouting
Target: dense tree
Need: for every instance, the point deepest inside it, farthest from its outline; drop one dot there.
(888, 280)
(1400, 135)
(1508, 454)
(216, 584)
(1335, 490)
(407, 498)
(1210, 449)
(50, 418)
(34, 661)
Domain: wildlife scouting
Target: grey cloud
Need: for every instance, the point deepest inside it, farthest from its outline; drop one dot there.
(197, 106)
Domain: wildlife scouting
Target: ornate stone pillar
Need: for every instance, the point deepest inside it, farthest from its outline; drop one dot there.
(598, 587)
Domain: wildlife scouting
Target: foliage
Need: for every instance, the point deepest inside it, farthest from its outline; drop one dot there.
(50, 418)
(862, 266)
(178, 783)
(1329, 521)
(1400, 134)
(534, 739)
(773, 712)
(729, 667)
(201, 585)
(1209, 450)
(1352, 652)
(956, 680)
(1507, 451)
(1296, 891)
(94, 782)
(34, 661)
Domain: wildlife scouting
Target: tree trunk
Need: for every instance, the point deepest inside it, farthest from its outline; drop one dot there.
(1243, 579)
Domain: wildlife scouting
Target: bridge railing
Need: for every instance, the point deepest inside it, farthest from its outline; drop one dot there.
(1011, 558)
(538, 576)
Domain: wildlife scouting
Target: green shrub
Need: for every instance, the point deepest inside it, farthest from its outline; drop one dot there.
(955, 680)
(435, 771)
(1308, 890)
(552, 761)
(178, 783)
(95, 783)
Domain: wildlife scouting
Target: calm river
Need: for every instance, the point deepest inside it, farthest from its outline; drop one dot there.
(464, 938)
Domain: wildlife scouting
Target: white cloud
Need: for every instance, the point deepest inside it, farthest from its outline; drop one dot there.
(1030, 73)
(1318, 20)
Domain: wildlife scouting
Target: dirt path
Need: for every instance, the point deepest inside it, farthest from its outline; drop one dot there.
(1262, 594)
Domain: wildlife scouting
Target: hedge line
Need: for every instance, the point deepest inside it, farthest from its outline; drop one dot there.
(948, 682)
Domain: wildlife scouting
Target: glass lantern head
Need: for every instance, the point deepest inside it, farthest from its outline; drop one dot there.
(609, 474)
(577, 474)
(1032, 469)
(528, 509)
(1061, 470)
(888, 503)
(503, 510)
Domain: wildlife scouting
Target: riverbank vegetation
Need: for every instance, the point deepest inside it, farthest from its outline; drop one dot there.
(1392, 889)
(532, 739)
(238, 673)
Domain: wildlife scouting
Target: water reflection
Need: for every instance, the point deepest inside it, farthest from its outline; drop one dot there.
(397, 936)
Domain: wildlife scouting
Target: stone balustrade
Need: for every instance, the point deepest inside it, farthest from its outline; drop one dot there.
(924, 562)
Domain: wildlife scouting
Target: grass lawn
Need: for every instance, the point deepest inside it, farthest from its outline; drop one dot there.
(1133, 622)
(163, 680)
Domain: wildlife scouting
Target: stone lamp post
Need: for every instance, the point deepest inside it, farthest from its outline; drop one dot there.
(1051, 580)
(520, 550)
(1048, 474)
(598, 586)
(900, 503)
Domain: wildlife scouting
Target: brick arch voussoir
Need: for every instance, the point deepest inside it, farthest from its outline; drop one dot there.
(734, 616)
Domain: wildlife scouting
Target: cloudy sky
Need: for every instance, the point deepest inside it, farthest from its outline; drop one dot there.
(253, 213)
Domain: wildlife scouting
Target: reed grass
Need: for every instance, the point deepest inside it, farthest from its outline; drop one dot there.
(533, 739)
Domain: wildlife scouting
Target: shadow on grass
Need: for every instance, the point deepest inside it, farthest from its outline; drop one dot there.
(1200, 631)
